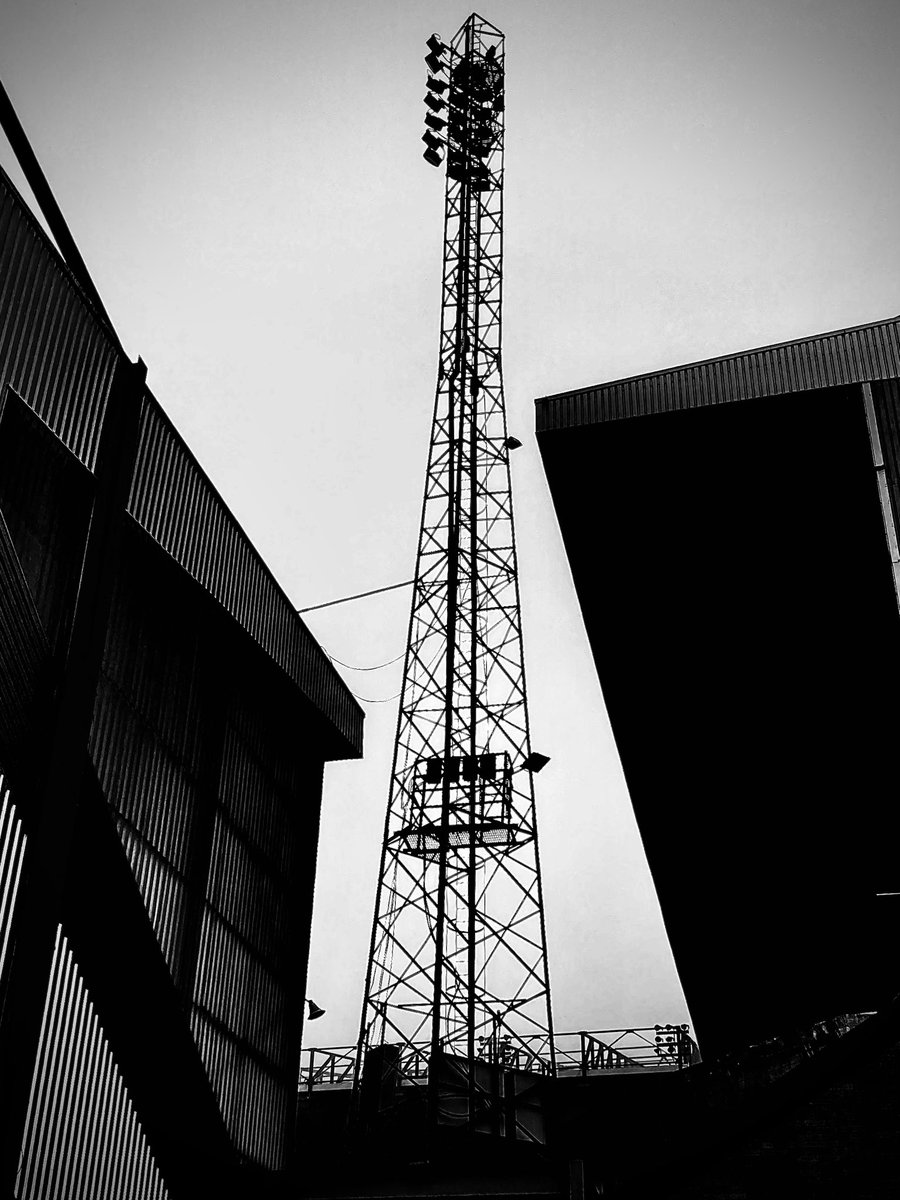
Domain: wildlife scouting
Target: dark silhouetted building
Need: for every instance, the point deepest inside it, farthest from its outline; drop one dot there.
(164, 720)
(731, 527)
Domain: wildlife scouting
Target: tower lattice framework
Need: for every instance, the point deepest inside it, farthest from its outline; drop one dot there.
(458, 962)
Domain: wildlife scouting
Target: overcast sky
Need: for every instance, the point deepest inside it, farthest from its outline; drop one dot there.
(685, 178)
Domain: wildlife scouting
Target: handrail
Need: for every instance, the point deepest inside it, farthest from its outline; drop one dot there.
(583, 1052)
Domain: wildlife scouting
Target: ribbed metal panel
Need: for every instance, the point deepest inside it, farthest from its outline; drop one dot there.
(60, 360)
(23, 647)
(145, 744)
(45, 501)
(52, 350)
(856, 355)
(178, 752)
(176, 503)
(240, 1017)
(204, 771)
(886, 400)
(83, 1140)
(12, 852)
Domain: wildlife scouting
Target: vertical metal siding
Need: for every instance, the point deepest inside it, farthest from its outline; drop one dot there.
(60, 360)
(886, 400)
(12, 853)
(38, 301)
(151, 734)
(866, 353)
(150, 743)
(83, 1140)
(174, 502)
(240, 1016)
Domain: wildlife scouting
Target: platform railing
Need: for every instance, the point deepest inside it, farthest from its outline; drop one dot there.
(583, 1052)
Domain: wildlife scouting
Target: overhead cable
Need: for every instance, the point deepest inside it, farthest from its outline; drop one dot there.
(378, 668)
(358, 596)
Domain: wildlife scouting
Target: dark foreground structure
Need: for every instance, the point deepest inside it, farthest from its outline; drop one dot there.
(731, 527)
(164, 719)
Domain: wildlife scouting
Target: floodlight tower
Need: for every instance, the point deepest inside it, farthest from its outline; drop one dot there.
(458, 964)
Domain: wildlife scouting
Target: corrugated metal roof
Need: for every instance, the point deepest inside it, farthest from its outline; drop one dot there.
(855, 355)
(59, 358)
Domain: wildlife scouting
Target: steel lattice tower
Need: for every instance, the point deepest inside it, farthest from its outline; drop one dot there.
(458, 962)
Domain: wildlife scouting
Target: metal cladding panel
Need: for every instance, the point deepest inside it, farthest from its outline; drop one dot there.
(198, 754)
(865, 352)
(12, 853)
(23, 651)
(45, 501)
(83, 1138)
(53, 350)
(175, 502)
(886, 399)
(59, 358)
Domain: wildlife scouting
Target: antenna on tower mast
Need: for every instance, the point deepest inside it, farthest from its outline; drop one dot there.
(456, 1019)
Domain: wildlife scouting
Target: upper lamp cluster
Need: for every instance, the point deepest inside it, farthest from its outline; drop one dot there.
(471, 95)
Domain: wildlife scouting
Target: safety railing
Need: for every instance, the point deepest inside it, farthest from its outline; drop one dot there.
(647, 1048)
(327, 1066)
(585, 1052)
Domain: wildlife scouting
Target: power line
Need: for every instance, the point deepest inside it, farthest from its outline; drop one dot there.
(378, 668)
(358, 596)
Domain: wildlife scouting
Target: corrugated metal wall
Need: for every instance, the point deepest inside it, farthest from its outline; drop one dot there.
(868, 352)
(83, 1140)
(12, 852)
(886, 401)
(178, 506)
(52, 350)
(60, 360)
(240, 1016)
(207, 794)
(202, 769)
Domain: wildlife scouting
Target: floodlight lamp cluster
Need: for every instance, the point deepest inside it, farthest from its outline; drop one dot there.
(463, 116)
(435, 61)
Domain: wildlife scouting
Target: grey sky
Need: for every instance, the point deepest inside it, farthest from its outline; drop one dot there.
(684, 179)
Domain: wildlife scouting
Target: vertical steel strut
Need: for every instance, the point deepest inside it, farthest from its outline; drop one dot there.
(458, 962)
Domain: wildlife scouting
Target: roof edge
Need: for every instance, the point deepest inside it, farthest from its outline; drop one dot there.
(700, 362)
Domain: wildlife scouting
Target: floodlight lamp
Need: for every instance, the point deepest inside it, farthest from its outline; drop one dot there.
(433, 63)
(535, 762)
(435, 45)
(433, 103)
(432, 156)
(433, 122)
(432, 142)
(437, 85)
(512, 443)
(314, 1011)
